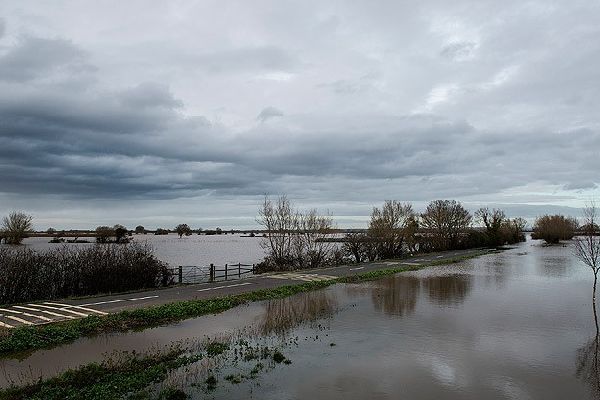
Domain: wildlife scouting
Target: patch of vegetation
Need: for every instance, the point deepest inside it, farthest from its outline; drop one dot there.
(107, 380)
(216, 348)
(28, 338)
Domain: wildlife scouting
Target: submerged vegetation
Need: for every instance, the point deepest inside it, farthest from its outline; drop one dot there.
(27, 275)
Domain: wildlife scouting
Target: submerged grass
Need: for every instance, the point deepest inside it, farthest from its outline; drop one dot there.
(29, 338)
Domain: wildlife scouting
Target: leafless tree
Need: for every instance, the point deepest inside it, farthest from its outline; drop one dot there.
(183, 229)
(587, 246)
(445, 221)
(280, 222)
(389, 227)
(15, 227)
(493, 221)
(311, 248)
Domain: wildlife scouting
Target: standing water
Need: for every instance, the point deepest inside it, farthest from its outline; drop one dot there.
(512, 325)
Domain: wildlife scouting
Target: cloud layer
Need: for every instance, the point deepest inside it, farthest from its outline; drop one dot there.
(336, 106)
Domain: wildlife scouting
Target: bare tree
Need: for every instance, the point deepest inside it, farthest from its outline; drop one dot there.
(493, 221)
(444, 221)
(15, 227)
(280, 222)
(388, 227)
(104, 233)
(587, 246)
(310, 247)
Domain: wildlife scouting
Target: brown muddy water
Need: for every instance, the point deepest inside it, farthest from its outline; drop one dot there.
(513, 325)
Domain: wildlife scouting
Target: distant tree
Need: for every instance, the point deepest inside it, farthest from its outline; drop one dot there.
(199, 231)
(51, 231)
(444, 221)
(512, 230)
(492, 220)
(183, 229)
(15, 227)
(219, 231)
(104, 233)
(120, 233)
(554, 228)
(140, 229)
(161, 231)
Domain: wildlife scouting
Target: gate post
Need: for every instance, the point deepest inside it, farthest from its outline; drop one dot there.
(225, 271)
(180, 274)
(239, 270)
(212, 273)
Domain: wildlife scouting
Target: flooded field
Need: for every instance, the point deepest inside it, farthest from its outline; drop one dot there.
(188, 250)
(513, 325)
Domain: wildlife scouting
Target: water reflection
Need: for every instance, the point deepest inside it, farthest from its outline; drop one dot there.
(449, 290)
(396, 295)
(282, 315)
(588, 369)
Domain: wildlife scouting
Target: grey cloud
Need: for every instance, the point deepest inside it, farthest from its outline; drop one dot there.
(172, 113)
(2, 27)
(269, 112)
(458, 51)
(34, 57)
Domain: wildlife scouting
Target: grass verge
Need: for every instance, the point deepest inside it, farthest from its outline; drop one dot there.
(30, 338)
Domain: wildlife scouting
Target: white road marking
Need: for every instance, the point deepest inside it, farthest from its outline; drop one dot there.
(45, 312)
(142, 298)
(18, 320)
(101, 302)
(439, 256)
(25, 314)
(58, 309)
(223, 287)
(3, 325)
(356, 269)
(407, 263)
(302, 277)
(64, 306)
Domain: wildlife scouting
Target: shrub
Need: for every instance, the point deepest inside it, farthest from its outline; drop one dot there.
(27, 275)
(554, 228)
(15, 227)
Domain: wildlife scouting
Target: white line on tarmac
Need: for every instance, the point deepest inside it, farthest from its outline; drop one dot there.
(439, 256)
(25, 314)
(411, 263)
(356, 269)
(4, 325)
(58, 309)
(44, 311)
(18, 320)
(143, 298)
(65, 306)
(101, 302)
(223, 287)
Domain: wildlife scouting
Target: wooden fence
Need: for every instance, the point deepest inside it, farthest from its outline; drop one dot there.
(211, 273)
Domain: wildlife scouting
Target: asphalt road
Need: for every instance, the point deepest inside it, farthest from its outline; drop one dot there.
(38, 313)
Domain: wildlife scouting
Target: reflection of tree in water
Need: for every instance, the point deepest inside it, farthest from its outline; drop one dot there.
(587, 365)
(396, 295)
(282, 315)
(448, 290)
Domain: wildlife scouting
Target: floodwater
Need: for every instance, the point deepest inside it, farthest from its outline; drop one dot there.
(198, 250)
(512, 325)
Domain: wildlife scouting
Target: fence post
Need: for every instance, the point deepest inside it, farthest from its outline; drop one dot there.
(212, 272)
(253, 269)
(225, 271)
(180, 274)
(239, 270)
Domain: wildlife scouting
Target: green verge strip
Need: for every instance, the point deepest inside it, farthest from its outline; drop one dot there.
(29, 338)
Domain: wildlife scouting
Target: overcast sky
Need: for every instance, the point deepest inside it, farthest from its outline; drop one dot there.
(190, 111)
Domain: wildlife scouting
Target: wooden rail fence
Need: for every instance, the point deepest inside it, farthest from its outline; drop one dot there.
(211, 273)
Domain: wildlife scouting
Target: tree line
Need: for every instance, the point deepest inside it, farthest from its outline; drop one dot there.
(296, 239)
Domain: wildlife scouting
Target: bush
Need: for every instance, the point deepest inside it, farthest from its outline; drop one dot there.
(554, 228)
(27, 275)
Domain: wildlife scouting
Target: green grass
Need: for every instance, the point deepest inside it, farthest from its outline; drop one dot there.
(105, 380)
(30, 338)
